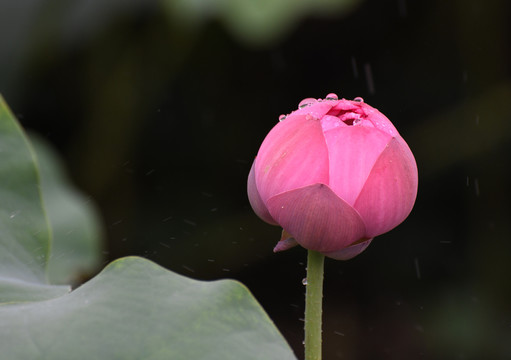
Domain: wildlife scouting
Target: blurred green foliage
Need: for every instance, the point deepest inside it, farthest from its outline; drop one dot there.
(75, 251)
(160, 107)
(255, 23)
(133, 309)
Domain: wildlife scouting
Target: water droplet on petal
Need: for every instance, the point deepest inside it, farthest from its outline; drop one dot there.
(357, 121)
(282, 117)
(304, 281)
(332, 96)
(358, 99)
(306, 102)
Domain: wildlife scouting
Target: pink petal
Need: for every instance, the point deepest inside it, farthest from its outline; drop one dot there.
(255, 199)
(352, 150)
(344, 105)
(286, 242)
(367, 112)
(329, 122)
(390, 190)
(317, 110)
(293, 155)
(349, 252)
(317, 218)
(380, 121)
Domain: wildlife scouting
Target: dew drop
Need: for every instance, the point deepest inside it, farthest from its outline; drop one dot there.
(306, 102)
(282, 117)
(356, 122)
(358, 99)
(332, 96)
(304, 281)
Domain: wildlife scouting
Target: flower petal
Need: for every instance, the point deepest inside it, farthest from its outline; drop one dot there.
(317, 218)
(390, 190)
(367, 112)
(380, 121)
(292, 155)
(352, 152)
(344, 105)
(349, 252)
(286, 242)
(317, 109)
(255, 199)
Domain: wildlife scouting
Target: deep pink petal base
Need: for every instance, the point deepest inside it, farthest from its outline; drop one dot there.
(324, 221)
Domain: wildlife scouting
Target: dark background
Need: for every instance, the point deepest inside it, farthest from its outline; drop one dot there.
(158, 111)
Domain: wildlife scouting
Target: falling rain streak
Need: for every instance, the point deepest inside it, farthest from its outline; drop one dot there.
(417, 268)
(354, 66)
(402, 8)
(188, 268)
(476, 185)
(369, 78)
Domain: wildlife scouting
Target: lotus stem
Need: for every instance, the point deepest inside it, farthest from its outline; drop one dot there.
(313, 305)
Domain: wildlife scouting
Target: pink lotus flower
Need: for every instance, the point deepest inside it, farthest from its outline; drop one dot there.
(333, 174)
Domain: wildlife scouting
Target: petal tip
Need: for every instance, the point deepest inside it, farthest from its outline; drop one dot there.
(350, 251)
(286, 242)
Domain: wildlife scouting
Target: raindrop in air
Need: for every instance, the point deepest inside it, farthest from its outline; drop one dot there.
(369, 77)
(282, 117)
(417, 268)
(306, 102)
(358, 99)
(332, 96)
(304, 281)
(476, 186)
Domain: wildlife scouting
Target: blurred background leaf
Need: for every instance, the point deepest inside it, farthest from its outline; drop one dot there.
(24, 235)
(75, 226)
(159, 108)
(133, 309)
(257, 23)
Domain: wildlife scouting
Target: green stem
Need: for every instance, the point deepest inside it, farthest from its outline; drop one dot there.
(313, 305)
